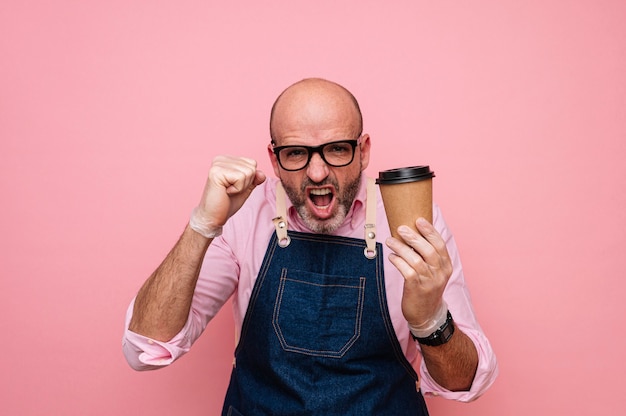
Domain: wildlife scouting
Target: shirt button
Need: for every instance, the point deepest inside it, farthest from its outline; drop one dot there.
(150, 342)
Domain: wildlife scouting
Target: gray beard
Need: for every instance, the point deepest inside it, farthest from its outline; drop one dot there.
(345, 199)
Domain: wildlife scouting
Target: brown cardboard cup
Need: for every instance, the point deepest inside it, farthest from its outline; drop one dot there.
(407, 195)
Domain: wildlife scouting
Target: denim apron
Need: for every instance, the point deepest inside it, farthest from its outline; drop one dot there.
(317, 338)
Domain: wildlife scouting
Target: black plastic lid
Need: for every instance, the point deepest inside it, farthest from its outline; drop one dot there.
(403, 175)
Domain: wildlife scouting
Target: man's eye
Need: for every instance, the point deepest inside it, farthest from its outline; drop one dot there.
(338, 148)
(294, 153)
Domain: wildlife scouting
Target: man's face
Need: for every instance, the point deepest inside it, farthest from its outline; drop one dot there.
(323, 194)
(313, 113)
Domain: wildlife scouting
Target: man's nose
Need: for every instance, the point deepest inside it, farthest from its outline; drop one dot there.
(317, 170)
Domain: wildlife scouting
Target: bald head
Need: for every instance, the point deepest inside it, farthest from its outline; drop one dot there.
(315, 104)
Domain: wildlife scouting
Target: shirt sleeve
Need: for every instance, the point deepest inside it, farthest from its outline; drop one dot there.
(216, 283)
(143, 353)
(457, 297)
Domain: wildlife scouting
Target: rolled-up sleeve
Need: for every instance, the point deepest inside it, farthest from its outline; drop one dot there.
(143, 353)
(486, 372)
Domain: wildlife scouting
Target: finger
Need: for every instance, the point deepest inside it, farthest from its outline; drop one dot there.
(417, 242)
(406, 270)
(235, 174)
(248, 184)
(406, 256)
(399, 245)
(428, 243)
(430, 233)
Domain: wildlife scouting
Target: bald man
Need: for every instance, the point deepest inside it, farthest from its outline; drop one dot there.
(326, 323)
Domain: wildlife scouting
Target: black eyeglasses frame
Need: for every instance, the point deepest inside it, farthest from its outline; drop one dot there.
(319, 150)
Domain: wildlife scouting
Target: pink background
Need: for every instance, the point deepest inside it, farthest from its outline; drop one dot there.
(111, 111)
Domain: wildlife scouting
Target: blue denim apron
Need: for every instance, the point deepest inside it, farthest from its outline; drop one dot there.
(317, 338)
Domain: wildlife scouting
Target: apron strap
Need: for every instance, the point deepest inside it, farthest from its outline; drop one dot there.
(280, 221)
(370, 219)
(281, 224)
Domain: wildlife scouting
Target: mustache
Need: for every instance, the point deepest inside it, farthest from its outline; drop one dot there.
(327, 181)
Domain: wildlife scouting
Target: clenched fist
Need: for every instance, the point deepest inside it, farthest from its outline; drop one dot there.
(230, 182)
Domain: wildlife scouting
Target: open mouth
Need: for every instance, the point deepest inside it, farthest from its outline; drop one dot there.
(321, 197)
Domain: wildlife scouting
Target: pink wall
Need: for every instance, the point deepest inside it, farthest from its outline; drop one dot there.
(111, 111)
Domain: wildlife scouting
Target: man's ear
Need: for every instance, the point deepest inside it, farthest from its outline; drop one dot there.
(273, 160)
(365, 148)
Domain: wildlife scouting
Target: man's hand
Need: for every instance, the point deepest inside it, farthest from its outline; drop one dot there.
(422, 258)
(230, 182)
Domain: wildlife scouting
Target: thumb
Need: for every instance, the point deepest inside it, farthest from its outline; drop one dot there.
(259, 178)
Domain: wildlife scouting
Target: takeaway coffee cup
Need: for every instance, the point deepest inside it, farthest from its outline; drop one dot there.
(407, 195)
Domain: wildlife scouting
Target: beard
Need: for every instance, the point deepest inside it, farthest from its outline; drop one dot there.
(345, 197)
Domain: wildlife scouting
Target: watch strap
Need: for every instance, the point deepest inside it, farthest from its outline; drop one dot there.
(441, 335)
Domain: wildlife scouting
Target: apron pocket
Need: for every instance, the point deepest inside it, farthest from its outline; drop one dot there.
(318, 314)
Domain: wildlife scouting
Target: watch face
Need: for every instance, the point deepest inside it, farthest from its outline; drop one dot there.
(440, 336)
(447, 332)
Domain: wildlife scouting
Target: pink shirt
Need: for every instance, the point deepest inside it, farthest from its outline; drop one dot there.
(233, 260)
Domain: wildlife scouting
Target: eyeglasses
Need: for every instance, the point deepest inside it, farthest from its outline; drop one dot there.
(336, 154)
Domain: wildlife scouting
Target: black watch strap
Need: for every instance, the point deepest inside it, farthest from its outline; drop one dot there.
(441, 335)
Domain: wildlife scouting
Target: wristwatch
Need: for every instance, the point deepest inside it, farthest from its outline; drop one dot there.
(441, 335)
